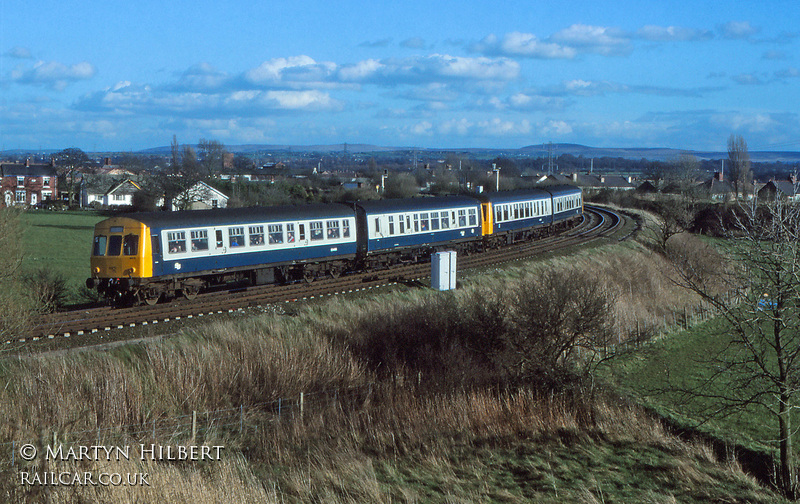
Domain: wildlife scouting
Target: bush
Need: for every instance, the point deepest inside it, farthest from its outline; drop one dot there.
(48, 290)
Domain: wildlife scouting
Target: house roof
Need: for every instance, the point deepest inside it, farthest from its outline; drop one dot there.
(21, 170)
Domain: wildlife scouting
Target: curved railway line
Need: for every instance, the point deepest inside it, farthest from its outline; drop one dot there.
(597, 222)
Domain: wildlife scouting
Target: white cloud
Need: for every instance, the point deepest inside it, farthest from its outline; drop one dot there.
(525, 45)
(53, 74)
(595, 39)
(19, 53)
(738, 30)
(672, 33)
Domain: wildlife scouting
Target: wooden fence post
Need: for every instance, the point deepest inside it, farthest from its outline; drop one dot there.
(194, 426)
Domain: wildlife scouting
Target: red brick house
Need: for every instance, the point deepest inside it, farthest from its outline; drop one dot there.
(27, 184)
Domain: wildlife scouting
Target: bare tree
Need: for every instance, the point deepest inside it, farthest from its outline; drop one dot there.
(554, 320)
(739, 171)
(758, 296)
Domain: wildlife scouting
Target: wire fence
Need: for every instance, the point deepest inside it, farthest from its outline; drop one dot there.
(187, 429)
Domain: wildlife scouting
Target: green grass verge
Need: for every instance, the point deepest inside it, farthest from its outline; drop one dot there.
(660, 373)
(59, 242)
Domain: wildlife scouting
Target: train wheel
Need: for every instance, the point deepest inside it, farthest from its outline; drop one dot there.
(309, 275)
(335, 272)
(190, 292)
(149, 298)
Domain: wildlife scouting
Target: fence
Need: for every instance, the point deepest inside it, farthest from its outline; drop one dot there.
(189, 428)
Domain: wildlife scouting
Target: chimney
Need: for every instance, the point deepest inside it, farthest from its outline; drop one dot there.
(630, 180)
(27, 162)
(602, 179)
(575, 177)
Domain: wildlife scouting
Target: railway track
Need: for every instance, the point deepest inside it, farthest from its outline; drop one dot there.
(597, 223)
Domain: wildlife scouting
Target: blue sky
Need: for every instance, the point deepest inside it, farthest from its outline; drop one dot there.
(103, 75)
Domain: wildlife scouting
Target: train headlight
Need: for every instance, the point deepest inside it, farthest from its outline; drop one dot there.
(97, 270)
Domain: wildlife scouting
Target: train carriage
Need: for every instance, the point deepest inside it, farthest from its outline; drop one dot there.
(149, 254)
(391, 230)
(515, 215)
(567, 202)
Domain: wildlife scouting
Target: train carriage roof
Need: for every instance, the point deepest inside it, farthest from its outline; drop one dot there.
(562, 190)
(417, 204)
(233, 216)
(514, 196)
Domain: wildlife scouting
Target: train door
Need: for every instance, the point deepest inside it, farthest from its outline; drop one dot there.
(219, 239)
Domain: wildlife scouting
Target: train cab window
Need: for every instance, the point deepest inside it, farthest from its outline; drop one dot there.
(424, 222)
(316, 231)
(333, 229)
(445, 221)
(345, 229)
(130, 245)
(99, 248)
(434, 221)
(473, 217)
(391, 224)
(199, 239)
(275, 234)
(114, 245)
(256, 235)
(289, 233)
(236, 236)
(176, 242)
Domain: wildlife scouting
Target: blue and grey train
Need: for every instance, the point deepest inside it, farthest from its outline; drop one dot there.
(144, 257)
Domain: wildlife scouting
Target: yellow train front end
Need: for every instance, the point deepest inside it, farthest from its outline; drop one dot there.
(121, 257)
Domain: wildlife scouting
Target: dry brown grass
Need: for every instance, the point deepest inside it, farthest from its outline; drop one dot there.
(386, 410)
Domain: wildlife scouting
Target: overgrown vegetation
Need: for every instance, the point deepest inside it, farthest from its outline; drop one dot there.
(411, 397)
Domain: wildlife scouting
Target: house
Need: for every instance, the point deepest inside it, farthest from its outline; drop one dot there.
(200, 196)
(107, 192)
(27, 184)
(785, 189)
(718, 188)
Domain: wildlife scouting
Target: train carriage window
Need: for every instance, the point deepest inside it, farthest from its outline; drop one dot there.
(516, 211)
(345, 229)
(391, 224)
(424, 222)
(416, 223)
(199, 240)
(130, 245)
(473, 217)
(528, 209)
(220, 243)
(176, 242)
(275, 234)
(236, 236)
(445, 221)
(302, 228)
(408, 222)
(462, 218)
(316, 231)
(256, 235)
(505, 212)
(402, 222)
(333, 229)
(377, 226)
(99, 248)
(434, 221)
(289, 233)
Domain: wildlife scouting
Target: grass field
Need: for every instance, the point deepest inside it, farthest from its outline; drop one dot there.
(60, 242)
(660, 373)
